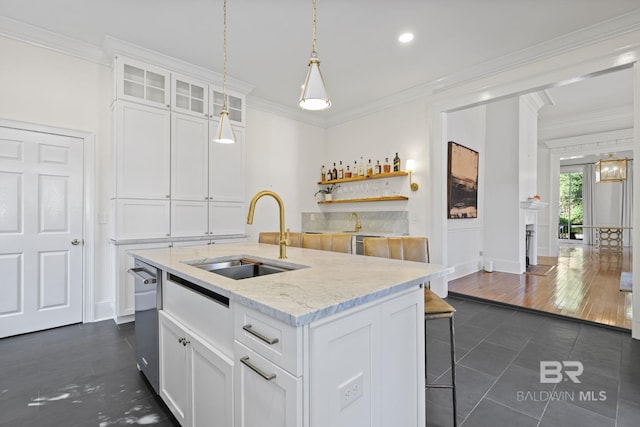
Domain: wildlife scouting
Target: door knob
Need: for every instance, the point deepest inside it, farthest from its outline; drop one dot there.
(75, 242)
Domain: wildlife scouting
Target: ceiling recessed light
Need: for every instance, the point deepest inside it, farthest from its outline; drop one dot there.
(405, 37)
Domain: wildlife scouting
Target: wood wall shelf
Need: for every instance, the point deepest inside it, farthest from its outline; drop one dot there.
(364, 178)
(366, 199)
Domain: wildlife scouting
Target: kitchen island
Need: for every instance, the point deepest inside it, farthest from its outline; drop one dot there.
(334, 340)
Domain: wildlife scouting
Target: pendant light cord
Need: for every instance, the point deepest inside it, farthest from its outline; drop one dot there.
(224, 74)
(313, 26)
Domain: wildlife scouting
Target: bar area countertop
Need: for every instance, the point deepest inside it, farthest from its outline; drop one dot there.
(321, 283)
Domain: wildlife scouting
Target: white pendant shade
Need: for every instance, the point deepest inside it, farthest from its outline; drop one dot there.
(314, 94)
(225, 134)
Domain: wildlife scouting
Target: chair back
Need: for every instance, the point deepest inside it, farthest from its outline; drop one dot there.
(273, 238)
(335, 242)
(404, 248)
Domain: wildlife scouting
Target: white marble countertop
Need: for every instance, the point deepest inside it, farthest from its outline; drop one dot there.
(329, 283)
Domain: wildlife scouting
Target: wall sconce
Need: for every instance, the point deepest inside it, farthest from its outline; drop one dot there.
(411, 168)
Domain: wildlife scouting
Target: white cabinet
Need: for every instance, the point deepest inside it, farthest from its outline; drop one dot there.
(189, 218)
(141, 219)
(189, 157)
(227, 218)
(265, 394)
(196, 380)
(226, 169)
(142, 151)
(269, 370)
(350, 379)
(235, 105)
(142, 83)
(189, 96)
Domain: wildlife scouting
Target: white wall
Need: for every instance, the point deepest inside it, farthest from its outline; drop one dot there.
(465, 236)
(502, 193)
(44, 87)
(281, 155)
(544, 191)
(400, 129)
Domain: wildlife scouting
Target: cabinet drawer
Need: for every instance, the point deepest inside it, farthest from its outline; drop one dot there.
(272, 339)
(205, 316)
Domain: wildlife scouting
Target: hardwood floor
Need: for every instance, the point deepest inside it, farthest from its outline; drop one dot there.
(584, 284)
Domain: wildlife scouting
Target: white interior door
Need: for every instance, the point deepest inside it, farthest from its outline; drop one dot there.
(41, 257)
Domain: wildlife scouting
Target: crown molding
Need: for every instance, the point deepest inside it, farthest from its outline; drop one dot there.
(103, 55)
(593, 143)
(591, 122)
(581, 38)
(312, 118)
(56, 42)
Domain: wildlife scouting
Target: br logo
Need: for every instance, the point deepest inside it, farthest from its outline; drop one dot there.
(553, 371)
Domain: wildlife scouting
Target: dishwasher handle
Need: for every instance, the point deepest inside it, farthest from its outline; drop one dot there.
(143, 274)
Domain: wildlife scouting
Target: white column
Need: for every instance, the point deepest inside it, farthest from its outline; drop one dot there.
(635, 327)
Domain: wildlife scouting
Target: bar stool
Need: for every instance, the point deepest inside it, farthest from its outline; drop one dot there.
(436, 308)
(417, 249)
(335, 242)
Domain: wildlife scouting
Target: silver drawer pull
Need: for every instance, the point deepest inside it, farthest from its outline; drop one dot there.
(245, 361)
(258, 335)
(142, 274)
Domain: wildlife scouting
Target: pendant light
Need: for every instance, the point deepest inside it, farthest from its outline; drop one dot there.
(611, 170)
(225, 134)
(314, 93)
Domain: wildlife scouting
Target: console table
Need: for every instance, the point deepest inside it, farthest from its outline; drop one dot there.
(608, 237)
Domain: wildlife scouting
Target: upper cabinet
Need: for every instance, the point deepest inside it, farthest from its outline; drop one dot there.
(142, 142)
(139, 82)
(235, 106)
(189, 96)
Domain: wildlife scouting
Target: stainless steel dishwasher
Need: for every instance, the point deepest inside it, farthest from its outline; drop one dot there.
(148, 300)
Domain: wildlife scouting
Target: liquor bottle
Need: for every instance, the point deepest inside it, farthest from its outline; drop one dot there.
(387, 166)
(354, 172)
(323, 173)
(369, 168)
(361, 167)
(377, 170)
(329, 177)
(334, 172)
(396, 163)
(347, 173)
(340, 171)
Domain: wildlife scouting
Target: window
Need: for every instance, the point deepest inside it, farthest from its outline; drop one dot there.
(570, 226)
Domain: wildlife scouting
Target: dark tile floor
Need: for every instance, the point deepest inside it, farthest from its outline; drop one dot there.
(78, 375)
(85, 375)
(499, 351)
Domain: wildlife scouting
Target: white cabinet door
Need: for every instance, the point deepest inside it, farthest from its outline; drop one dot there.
(226, 218)
(143, 83)
(189, 157)
(211, 385)
(174, 377)
(196, 380)
(189, 96)
(344, 363)
(142, 151)
(235, 106)
(265, 394)
(402, 332)
(141, 219)
(226, 169)
(189, 219)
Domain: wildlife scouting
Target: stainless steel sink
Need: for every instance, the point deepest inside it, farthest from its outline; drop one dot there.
(244, 268)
